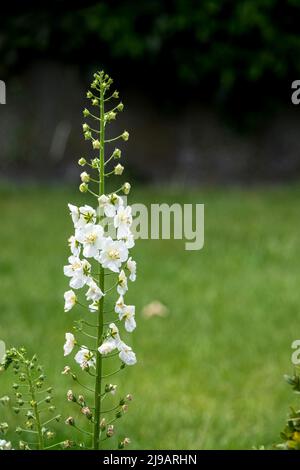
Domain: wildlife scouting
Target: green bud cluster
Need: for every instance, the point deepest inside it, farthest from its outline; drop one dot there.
(100, 87)
(31, 396)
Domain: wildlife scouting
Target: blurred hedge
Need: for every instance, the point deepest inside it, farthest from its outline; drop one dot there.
(230, 53)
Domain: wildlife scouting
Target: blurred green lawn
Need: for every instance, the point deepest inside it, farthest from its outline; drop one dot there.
(209, 375)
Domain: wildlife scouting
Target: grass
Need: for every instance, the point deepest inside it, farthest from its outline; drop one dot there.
(209, 374)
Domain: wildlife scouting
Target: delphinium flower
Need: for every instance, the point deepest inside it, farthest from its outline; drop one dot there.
(33, 403)
(99, 270)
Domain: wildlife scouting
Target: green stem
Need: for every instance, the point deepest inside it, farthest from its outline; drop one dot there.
(35, 410)
(96, 434)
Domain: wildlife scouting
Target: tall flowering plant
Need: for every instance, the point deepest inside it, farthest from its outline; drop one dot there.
(99, 270)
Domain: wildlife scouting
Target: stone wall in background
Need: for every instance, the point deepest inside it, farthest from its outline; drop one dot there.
(40, 135)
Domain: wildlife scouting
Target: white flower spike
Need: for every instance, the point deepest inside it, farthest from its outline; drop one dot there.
(100, 263)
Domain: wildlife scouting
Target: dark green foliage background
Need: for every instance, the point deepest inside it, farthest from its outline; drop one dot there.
(235, 50)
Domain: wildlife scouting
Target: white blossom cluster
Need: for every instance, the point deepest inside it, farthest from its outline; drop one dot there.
(91, 246)
(5, 445)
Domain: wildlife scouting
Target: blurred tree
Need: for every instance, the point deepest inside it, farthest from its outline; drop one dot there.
(228, 53)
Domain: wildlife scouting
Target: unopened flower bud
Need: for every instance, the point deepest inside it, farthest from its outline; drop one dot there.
(96, 144)
(51, 408)
(18, 430)
(124, 443)
(85, 177)
(118, 170)
(3, 427)
(126, 188)
(5, 400)
(86, 112)
(124, 408)
(110, 116)
(29, 424)
(82, 161)
(89, 94)
(115, 94)
(95, 102)
(110, 388)
(88, 135)
(95, 163)
(81, 400)
(85, 127)
(67, 444)
(23, 445)
(48, 399)
(70, 421)
(116, 153)
(71, 396)
(110, 430)
(102, 424)
(125, 135)
(120, 107)
(87, 412)
(83, 188)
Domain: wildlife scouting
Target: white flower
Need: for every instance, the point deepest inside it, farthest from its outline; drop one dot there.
(82, 215)
(128, 239)
(126, 188)
(128, 314)
(107, 347)
(70, 300)
(85, 177)
(112, 341)
(94, 293)
(126, 354)
(122, 287)
(119, 307)
(114, 331)
(5, 445)
(85, 358)
(118, 170)
(110, 204)
(78, 270)
(131, 266)
(69, 344)
(94, 307)
(113, 254)
(74, 246)
(91, 237)
(113, 389)
(123, 221)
